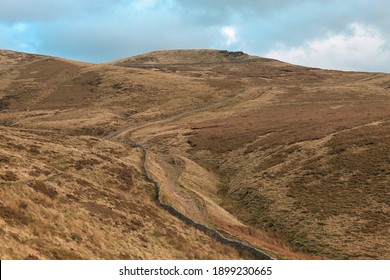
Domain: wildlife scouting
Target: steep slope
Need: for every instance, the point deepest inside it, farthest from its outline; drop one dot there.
(302, 154)
(66, 197)
(292, 160)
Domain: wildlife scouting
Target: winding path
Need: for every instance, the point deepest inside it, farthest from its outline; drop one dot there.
(256, 253)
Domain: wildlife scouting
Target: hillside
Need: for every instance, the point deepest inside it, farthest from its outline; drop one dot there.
(90, 99)
(292, 160)
(65, 197)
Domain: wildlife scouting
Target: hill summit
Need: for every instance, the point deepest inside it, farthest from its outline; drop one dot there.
(185, 57)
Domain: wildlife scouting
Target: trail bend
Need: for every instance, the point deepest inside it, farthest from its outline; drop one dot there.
(237, 244)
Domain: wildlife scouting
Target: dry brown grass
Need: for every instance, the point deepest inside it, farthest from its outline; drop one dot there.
(297, 164)
(298, 168)
(79, 198)
(279, 165)
(43, 92)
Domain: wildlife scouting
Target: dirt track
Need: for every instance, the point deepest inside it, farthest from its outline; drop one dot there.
(256, 253)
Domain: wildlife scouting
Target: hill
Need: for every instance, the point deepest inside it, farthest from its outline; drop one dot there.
(186, 57)
(292, 160)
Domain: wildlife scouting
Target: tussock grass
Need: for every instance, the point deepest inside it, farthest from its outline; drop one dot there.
(65, 202)
(296, 164)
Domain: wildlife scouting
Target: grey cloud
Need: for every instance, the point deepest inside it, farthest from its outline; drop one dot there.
(222, 8)
(232, 5)
(327, 16)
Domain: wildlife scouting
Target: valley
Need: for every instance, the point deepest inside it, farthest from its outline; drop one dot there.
(293, 161)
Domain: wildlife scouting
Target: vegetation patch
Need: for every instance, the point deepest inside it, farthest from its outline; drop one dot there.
(43, 188)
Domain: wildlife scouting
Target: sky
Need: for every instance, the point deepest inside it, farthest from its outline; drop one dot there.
(332, 34)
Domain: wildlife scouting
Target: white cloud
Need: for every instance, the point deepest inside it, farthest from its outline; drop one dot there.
(229, 33)
(360, 47)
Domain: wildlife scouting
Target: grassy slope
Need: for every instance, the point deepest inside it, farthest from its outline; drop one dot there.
(46, 92)
(291, 158)
(303, 154)
(67, 197)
